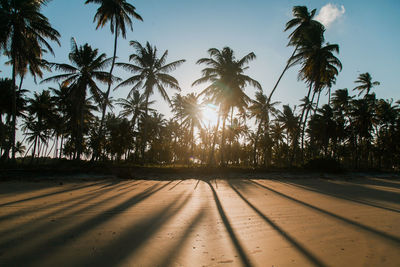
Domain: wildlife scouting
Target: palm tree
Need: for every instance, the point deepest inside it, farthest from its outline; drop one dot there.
(306, 27)
(6, 109)
(151, 72)
(260, 110)
(134, 105)
(118, 13)
(23, 25)
(289, 121)
(41, 112)
(366, 83)
(319, 66)
(87, 67)
(228, 81)
(20, 148)
(191, 115)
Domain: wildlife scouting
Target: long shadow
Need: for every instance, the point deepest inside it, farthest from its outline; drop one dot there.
(337, 193)
(175, 185)
(198, 181)
(41, 226)
(291, 240)
(378, 182)
(335, 216)
(29, 210)
(235, 241)
(174, 251)
(131, 185)
(353, 189)
(49, 245)
(50, 194)
(131, 239)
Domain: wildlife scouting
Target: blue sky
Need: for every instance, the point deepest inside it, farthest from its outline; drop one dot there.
(367, 33)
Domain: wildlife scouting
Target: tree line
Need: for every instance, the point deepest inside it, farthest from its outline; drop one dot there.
(70, 119)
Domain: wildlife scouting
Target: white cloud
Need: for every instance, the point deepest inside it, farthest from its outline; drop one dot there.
(329, 13)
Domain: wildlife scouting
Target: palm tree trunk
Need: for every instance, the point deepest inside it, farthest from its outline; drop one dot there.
(51, 149)
(329, 96)
(61, 146)
(20, 83)
(144, 139)
(211, 158)
(303, 129)
(316, 107)
(192, 133)
(103, 114)
(34, 149)
(13, 109)
(222, 163)
(255, 144)
(280, 77)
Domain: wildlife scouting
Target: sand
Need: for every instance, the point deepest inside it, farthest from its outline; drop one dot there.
(191, 222)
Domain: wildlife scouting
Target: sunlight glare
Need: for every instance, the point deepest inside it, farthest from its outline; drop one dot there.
(210, 115)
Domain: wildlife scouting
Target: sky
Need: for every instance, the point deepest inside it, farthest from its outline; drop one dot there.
(366, 31)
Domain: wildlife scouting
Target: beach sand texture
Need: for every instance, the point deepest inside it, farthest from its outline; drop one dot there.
(191, 222)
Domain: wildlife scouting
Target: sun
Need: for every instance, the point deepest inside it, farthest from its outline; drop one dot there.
(210, 115)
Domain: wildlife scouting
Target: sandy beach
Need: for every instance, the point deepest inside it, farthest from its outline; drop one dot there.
(192, 222)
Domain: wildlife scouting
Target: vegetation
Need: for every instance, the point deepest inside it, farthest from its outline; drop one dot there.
(70, 121)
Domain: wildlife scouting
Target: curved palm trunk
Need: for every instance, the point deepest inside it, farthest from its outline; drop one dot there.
(316, 107)
(301, 119)
(303, 129)
(34, 149)
(280, 77)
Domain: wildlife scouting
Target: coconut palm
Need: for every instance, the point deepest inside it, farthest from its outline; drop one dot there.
(260, 109)
(118, 13)
(191, 115)
(319, 66)
(87, 68)
(289, 121)
(134, 106)
(6, 110)
(306, 26)
(151, 73)
(24, 30)
(366, 83)
(228, 81)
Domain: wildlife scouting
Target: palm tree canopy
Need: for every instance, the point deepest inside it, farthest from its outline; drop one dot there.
(151, 71)
(134, 105)
(191, 111)
(117, 12)
(227, 78)
(261, 107)
(307, 27)
(87, 66)
(366, 83)
(319, 65)
(22, 27)
(6, 91)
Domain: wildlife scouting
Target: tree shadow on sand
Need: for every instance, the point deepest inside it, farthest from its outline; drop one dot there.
(355, 224)
(46, 247)
(313, 259)
(354, 191)
(243, 257)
